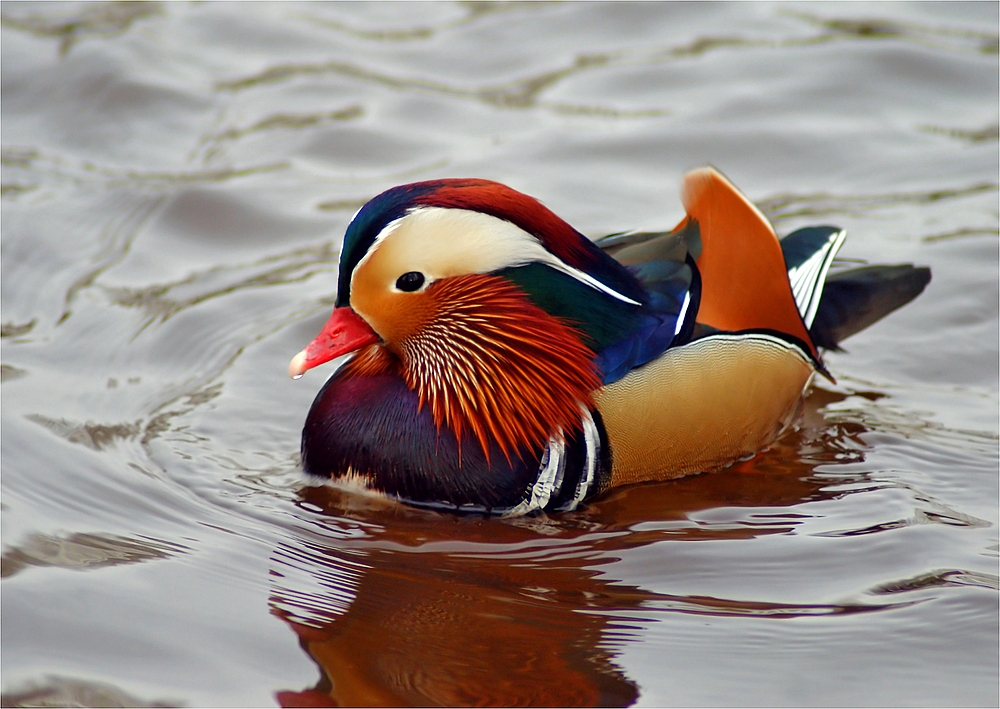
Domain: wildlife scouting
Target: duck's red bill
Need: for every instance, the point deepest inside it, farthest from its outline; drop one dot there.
(344, 332)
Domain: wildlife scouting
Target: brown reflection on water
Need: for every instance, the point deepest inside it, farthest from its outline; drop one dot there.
(440, 628)
(415, 608)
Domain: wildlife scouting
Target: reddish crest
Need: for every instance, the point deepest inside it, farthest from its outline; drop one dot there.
(526, 212)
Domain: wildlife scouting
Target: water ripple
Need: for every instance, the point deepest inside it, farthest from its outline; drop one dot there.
(84, 551)
(100, 19)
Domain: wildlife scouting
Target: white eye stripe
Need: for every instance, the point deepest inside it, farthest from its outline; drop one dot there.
(382, 235)
(441, 242)
(579, 275)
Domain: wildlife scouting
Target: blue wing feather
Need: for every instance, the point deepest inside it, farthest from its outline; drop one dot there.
(664, 264)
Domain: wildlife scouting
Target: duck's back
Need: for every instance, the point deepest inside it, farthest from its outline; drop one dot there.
(736, 384)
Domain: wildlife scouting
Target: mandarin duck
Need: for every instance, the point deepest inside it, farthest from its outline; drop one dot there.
(503, 363)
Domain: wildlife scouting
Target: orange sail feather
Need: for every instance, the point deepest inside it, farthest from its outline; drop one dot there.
(744, 281)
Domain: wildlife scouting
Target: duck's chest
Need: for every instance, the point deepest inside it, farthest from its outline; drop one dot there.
(372, 430)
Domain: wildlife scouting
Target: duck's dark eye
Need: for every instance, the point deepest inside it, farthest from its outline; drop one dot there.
(410, 281)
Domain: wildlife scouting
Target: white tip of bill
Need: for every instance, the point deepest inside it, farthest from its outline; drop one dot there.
(297, 366)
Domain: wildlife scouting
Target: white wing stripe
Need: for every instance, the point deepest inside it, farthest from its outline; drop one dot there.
(807, 279)
(683, 314)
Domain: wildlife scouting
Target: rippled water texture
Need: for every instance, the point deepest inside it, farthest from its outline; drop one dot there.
(176, 182)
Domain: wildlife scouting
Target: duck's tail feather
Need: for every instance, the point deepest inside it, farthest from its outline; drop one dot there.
(854, 299)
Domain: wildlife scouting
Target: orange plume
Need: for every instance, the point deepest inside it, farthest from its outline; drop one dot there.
(494, 364)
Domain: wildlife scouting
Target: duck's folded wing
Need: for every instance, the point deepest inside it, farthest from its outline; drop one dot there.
(722, 267)
(664, 262)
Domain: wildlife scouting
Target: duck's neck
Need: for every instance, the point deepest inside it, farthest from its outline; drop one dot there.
(492, 364)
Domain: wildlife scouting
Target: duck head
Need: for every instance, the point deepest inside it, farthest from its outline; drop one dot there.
(488, 308)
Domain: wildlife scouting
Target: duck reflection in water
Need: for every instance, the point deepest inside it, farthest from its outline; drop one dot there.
(399, 606)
